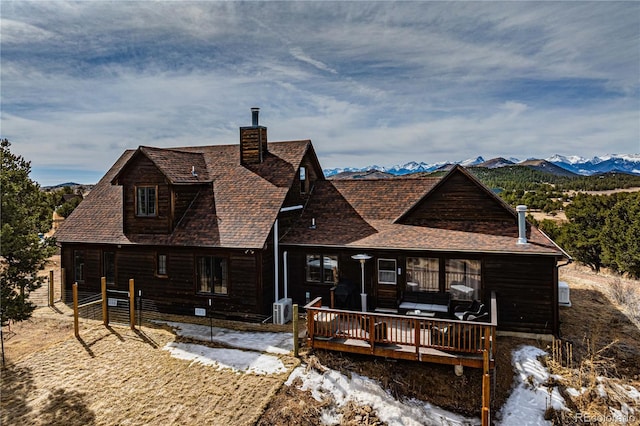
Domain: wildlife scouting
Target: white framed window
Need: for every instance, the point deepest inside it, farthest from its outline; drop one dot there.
(146, 201)
(387, 271)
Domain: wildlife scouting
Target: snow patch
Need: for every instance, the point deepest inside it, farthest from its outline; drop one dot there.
(364, 391)
(221, 358)
(276, 343)
(530, 397)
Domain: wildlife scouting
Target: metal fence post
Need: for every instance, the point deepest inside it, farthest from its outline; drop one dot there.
(139, 308)
(132, 306)
(76, 331)
(105, 311)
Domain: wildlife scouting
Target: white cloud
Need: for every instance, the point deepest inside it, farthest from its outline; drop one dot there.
(368, 82)
(297, 53)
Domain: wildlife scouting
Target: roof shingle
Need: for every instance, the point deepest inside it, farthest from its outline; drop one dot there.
(238, 213)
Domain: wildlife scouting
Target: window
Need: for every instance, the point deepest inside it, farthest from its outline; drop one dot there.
(463, 278)
(303, 179)
(78, 265)
(146, 201)
(387, 271)
(322, 268)
(423, 274)
(161, 265)
(109, 266)
(211, 275)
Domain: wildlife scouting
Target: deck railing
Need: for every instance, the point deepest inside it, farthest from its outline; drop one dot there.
(371, 329)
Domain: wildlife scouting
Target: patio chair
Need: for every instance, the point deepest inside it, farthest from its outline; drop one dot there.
(483, 316)
(476, 308)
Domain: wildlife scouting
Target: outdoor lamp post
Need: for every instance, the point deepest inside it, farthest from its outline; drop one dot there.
(363, 296)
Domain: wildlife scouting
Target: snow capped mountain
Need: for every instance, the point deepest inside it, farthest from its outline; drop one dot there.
(472, 162)
(624, 163)
(573, 159)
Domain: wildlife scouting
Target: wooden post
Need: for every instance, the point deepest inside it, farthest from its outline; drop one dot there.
(310, 326)
(105, 312)
(372, 332)
(486, 390)
(51, 287)
(75, 311)
(296, 332)
(416, 336)
(132, 306)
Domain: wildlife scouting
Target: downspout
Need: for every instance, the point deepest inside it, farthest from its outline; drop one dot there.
(275, 259)
(286, 274)
(276, 249)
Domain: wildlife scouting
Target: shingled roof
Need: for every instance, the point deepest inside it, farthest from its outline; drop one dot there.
(368, 219)
(176, 164)
(238, 213)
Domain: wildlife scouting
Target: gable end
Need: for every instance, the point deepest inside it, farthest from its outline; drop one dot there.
(461, 202)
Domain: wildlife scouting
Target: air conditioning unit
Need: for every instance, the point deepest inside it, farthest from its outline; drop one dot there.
(563, 294)
(282, 311)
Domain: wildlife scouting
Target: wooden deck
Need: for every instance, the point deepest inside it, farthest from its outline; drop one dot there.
(441, 341)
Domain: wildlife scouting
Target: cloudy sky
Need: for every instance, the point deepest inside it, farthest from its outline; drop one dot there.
(368, 82)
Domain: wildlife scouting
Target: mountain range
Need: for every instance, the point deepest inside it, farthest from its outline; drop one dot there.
(557, 164)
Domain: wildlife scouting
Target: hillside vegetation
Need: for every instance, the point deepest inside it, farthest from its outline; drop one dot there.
(601, 230)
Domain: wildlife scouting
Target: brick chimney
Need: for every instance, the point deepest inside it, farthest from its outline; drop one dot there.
(253, 141)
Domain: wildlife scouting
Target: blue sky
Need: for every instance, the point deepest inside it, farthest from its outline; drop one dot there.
(368, 82)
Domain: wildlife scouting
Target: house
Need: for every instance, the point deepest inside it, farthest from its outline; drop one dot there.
(221, 225)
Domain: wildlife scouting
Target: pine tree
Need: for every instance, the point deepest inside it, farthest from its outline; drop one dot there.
(25, 214)
(620, 235)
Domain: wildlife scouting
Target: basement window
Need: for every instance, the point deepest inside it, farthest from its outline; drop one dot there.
(146, 201)
(211, 275)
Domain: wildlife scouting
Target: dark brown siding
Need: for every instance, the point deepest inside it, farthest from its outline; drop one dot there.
(142, 172)
(349, 271)
(266, 287)
(296, 195)
(177, 292)
(92, 269)
(526, 292)
(183, 196)
(458, 203)
(525, 285)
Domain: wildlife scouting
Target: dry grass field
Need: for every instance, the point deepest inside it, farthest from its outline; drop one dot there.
(120, 376)
(115, 375)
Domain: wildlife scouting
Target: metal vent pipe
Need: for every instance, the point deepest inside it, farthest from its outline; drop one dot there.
(522, 224)
(254, 116)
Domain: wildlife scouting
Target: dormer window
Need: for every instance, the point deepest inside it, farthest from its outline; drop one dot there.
(303, 180)
(146, 201)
